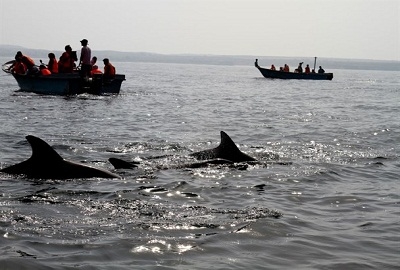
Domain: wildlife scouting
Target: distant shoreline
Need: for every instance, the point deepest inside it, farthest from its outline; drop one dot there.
(228, 60)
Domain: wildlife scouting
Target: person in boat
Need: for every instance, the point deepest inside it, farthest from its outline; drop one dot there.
(53, 64)
(84, 61)
(66, 62)
(321, 70)
(93, 61)
(109, 69)
(299, 69)
(28, 62)
(95, 70)
(307, 69)
(273, 67)
(18, 67)
(286, 68)
(44, 71)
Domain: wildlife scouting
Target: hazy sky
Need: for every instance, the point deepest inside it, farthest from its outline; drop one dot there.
(365, 29)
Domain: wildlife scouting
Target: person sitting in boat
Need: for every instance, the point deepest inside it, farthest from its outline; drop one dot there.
(286, 68)
(109, 69)
(273, 67)
(307, 69)
(299, 69)
(321, 70)
(18, 67)
(93, 61)
(28, 62)
(44, 71)
(95, 70)
(66, 63)
(53, 64)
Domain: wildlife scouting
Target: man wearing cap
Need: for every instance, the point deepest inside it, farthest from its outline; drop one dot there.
(85, 58)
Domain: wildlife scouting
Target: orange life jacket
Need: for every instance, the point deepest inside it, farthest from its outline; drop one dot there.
(109, 70)
(66, 63)
(96, 71)
(53, 65)
(19, 68)
(45, 72)
(29, 63)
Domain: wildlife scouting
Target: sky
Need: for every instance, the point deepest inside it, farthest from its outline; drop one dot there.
(355, 29)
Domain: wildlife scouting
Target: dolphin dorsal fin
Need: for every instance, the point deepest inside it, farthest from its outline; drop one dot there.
(227, 142)
(42, 151)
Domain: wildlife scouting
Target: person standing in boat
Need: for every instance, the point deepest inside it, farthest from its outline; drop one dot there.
(321, 70)
(109, 69)
(300, 68)
(84, 61)
(66, 63)
(53, 64)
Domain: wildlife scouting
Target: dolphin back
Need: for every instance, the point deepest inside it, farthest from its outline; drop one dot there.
(227, 150)
(46, 163)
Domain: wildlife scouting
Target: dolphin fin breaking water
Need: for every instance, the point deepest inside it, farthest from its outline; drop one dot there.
(46, 163)
(227, 150)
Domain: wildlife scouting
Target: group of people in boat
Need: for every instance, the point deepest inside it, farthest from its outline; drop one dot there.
(299, 69)
(66, 64)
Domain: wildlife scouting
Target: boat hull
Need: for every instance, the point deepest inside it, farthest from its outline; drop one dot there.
(274, 74)
(68, 84)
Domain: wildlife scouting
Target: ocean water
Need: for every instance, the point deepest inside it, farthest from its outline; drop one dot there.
(325, 194)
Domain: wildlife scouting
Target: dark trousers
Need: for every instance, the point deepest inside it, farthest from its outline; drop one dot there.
(85, 70)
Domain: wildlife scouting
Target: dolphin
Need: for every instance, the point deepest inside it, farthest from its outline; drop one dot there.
(46, 163)
(226, 150)
(122, 164)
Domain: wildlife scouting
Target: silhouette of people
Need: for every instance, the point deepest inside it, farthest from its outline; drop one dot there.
(66, 63)
(28, 62)
(321, 70)
(93, 61)
(85, 59)
(109, 69)
(18, 67)
(300, 68)
(273, 67)
(307, 69)
(286, 68)
(53, 64)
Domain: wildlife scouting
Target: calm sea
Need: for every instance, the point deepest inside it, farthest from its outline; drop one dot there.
(325, 194)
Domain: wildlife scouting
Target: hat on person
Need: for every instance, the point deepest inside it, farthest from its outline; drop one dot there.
(84, 41)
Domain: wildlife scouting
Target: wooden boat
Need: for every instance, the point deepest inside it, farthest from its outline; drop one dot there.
(66, 83)
(276, 74)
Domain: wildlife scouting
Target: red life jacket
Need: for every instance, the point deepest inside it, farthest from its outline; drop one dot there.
(45, 71)
(109, 70)
(66, 63)
(29, 63)
(53, 65)
(19, 68)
